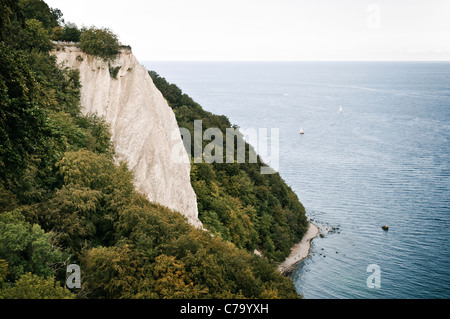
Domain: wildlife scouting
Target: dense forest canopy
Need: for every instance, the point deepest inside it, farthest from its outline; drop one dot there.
(63, 199)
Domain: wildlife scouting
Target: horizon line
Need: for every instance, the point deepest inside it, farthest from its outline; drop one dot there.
(413, 61)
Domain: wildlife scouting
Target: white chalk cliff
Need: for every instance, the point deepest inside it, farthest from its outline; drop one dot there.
(142, 126)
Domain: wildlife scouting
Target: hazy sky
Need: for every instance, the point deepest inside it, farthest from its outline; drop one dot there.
(271, 29)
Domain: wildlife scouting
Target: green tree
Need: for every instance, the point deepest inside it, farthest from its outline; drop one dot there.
(35, 37)
(27, 248)
(71, 33)
(30, 286)
(101, 43)
(9, 11)
(39, 10)
(172, 281)
(3, 270)
(25, 129)
(86, 206)
(148, 227)
(116, 272)
(57, 34)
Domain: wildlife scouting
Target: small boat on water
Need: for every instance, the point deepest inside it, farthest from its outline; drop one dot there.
(341, 110)
(301, 131)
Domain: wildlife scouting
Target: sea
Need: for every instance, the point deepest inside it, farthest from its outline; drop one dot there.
(383, 160)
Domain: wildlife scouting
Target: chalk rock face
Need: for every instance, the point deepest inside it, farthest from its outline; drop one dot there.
(143, 126)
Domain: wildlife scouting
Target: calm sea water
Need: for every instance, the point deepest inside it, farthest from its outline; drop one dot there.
(384, 160)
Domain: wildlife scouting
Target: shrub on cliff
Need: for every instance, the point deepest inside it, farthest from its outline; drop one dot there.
(69, 33)
(101, 43)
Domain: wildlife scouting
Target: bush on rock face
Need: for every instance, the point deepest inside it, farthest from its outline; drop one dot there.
(102, 43)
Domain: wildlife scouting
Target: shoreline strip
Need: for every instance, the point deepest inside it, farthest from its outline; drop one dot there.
(300, 250)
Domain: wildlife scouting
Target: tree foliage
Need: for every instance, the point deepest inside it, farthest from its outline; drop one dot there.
(39, 10)
(35, 37)
(101, 43)
(27, 248)
(69, 32)
(9, 11)
(31, 286)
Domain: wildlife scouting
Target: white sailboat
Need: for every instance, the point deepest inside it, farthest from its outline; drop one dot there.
(341, 109)
(301, 131)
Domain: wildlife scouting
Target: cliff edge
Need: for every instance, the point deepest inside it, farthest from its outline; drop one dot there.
(142, 126)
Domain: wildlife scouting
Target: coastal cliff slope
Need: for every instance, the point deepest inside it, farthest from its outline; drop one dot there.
(142, 126)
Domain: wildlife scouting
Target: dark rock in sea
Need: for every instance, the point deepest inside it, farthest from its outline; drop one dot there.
(385, 227)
